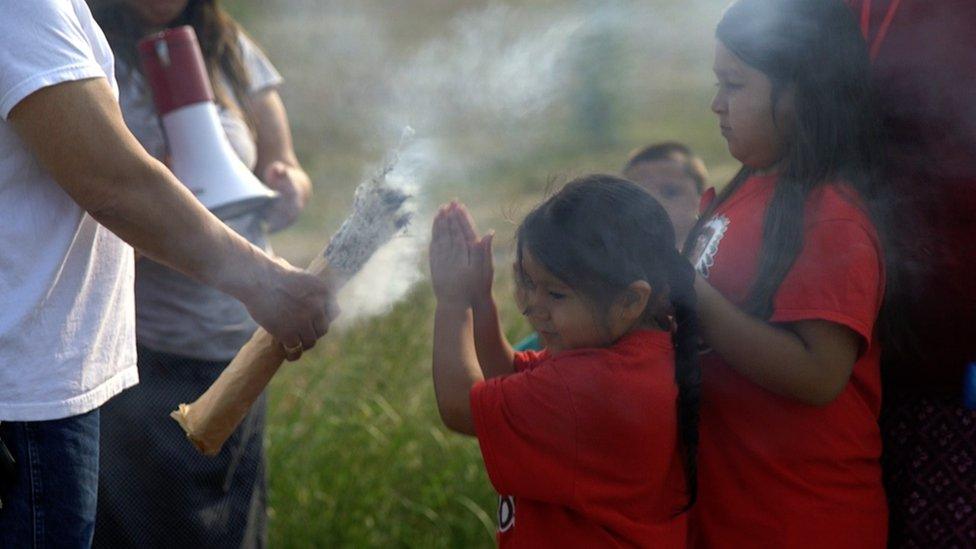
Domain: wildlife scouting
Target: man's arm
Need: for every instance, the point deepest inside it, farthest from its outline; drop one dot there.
(76, 131)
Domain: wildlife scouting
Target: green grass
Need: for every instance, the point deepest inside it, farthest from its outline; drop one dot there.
(357, 454)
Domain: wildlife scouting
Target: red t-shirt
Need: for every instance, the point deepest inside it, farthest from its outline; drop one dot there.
(774, 472)
(583, 446)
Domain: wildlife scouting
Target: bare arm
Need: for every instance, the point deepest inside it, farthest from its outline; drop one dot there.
(76, 131)
(810, 361)
(456, 367)
(277, 164)
(455, 361)
(495, 354)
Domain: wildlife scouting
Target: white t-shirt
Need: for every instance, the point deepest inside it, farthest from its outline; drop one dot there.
(67, 328)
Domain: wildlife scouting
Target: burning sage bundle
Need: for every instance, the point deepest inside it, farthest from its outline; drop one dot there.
(378, 215)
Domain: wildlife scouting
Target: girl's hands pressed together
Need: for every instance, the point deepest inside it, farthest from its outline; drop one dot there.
(480, 256)
(460, 263)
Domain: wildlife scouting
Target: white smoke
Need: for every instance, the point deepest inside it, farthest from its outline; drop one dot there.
(494, 67)
(487, 86)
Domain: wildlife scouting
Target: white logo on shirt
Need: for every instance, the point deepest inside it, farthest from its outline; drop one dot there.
(506, 513)
(706, 245)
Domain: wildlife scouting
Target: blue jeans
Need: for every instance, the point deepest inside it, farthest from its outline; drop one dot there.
(51, 502)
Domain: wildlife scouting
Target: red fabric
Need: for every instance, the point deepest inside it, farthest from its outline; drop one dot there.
(179, 77)
(586, 445)
(925, 74)
(774, 472)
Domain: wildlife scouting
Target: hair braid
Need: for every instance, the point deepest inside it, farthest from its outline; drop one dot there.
(687, 372)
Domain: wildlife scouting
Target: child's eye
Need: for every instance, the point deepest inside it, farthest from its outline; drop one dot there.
(671, 191)
(556, 295)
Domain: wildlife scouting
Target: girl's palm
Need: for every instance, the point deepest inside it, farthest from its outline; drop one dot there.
(460, 263)
(480, 254)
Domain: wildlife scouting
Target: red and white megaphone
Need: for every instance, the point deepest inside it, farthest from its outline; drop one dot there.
(201, 156)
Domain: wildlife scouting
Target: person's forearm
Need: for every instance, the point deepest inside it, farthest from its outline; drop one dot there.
(455, 366)
(76, 131)
(274, 139)
(773, 357)
(140, 200)
(495, 354)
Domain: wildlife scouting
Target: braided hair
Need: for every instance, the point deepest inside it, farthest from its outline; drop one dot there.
(601, 233)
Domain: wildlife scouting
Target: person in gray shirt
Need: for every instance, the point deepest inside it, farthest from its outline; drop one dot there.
(154, 488)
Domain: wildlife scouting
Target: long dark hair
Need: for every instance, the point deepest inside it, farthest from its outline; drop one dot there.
(815, 48)
(216, 31)
(598, 235)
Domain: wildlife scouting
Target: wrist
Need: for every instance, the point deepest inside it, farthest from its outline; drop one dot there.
(452, 304)
(483, 303)
(249, 274)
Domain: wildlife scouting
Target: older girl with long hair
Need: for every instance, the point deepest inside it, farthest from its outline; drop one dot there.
(795, 262)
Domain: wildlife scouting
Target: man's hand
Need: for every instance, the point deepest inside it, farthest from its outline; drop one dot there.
(293, 306)
(76, 132)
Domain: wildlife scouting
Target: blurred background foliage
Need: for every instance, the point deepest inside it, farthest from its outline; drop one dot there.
(357, 454)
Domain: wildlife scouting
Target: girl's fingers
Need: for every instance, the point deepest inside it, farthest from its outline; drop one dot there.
(457, 239)
(477, 252)
(488, 260)
(467, 223)
(489, 239)
(441, 243)
(437, 229)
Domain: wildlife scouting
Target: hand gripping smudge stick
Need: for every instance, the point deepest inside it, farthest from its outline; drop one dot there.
(378, 215)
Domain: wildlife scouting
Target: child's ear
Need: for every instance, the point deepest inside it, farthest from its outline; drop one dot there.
(630, 305)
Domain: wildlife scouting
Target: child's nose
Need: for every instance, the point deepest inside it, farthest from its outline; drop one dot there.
(534, 310)
(718, 103)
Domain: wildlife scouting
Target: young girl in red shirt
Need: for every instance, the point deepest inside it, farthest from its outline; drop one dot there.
(791, 285)
(591, 442)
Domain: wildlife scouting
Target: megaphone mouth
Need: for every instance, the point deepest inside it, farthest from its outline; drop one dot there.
(203, 160)
(253, 205)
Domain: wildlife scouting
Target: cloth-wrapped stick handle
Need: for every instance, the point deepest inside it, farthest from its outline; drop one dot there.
(212, 418)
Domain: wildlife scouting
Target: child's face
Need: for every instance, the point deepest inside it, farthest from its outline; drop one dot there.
(563, 318)
(667, 180)
(745, 112)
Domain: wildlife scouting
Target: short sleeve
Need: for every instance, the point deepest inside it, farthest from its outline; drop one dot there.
(526, 430)
(837, 277)
(526, 360)
(260, 71)
(42, 43)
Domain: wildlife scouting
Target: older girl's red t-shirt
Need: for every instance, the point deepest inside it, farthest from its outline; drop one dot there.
(583, 447)
(774, 472)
